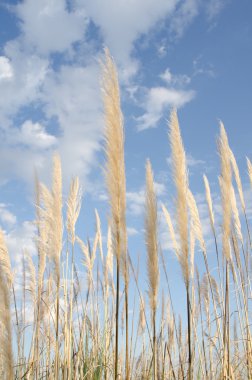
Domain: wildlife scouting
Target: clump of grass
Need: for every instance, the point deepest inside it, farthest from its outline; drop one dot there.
(65, 322)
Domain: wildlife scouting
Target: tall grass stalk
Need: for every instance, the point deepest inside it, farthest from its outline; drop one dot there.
(116, 183)
(152, 252)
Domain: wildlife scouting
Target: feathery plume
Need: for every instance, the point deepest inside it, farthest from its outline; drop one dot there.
(109, 258)
(32, 275)
(236, 218)
(42, 228)
(181, 182)
(89, 258)
(99, 233)
(152, 252)
(6, 356)
(192, 251)
(116, 183)
(5, 264)
(171, 230)
(226, 183)
(209, 201)
(151, 237)
(57, 228)
(52, 215)
(237, 178)
(249, 165)
(196, 224)
(73, 208)
(115, 167)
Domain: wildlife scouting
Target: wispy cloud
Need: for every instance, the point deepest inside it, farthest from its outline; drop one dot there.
(214, 8)
(159, 99)
(183, 16)
(173, 79)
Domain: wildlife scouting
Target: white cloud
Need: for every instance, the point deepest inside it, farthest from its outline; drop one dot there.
(136, 202)
(48, 26)
(157, 100)
(29, 72)
(122, 22)
(34, 136)
(6, 71)
(103, 197)
(70, 94)
(179, 80)
(161, 50)
(214, 7)
(6, 216)
(132, 231)
(191, 161)
(184, 15)
(19, 238)
(167, 76)
(73, 97)
(202, 68)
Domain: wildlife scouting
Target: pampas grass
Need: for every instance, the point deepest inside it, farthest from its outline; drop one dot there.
(181, 183)
(152, 254)
(6, 356)
(59, 314)
(116, 183)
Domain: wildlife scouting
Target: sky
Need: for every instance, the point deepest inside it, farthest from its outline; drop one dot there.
(195, 55)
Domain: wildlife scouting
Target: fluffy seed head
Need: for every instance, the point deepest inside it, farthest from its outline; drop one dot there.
(151, 237)
(181, 183)
(115, 168)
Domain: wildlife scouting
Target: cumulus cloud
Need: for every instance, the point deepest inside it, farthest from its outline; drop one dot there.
(69, 96)
(122, 22)
(6, 71)
(28, 74)
(6, 216)
(72, 96)
(157, 100)
(34, 136)
(48, 26)
(34, 79)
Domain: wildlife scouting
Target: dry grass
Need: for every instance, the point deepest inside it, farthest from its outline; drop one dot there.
(77, 330)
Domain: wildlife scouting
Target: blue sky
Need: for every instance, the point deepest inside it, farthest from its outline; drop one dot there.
(192, 54)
